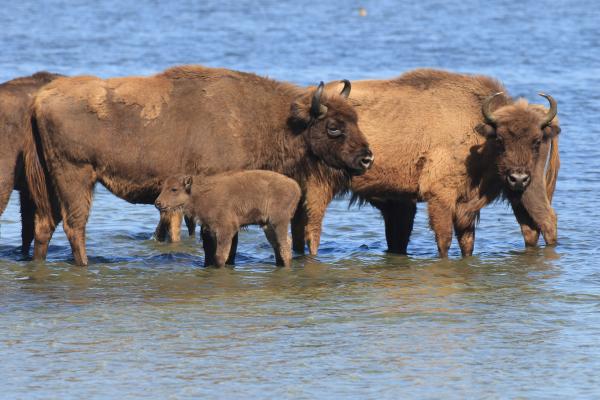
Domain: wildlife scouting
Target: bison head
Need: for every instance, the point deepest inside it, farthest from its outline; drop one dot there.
(517, 130)
(330, 127)
(175, 192)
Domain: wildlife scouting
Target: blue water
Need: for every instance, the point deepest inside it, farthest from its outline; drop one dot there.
(146, 321)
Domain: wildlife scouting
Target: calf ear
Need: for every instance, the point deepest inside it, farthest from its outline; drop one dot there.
(187, 183)
(551, 130)
(486, 130)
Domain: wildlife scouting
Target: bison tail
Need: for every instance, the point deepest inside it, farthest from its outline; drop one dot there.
(553, 167)
(34, 168)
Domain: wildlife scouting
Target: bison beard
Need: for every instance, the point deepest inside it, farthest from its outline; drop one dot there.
(424, 128)
(15, 97)
(132, 133)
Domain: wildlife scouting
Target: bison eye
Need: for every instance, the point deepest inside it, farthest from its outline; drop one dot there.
(537, 143)
(173, 190)
(335, 132)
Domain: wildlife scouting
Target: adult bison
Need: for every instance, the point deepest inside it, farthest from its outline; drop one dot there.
(450, 140)
(132, 133)
(15, 98)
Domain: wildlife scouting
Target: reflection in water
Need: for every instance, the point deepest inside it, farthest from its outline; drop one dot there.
(145, 319)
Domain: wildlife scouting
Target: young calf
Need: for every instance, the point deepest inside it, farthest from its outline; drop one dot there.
(225, 202)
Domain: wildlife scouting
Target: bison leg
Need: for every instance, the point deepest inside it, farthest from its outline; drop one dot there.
(277, 235)
(175, 220)
(75, 186)
(535, 203)
(298, 229)
(318, 197)
(7, 178)
(529, 229)
(399, 217)
(440, 220)
(209, 246)
(160, 233)
(44, 227)
(27, 217)
(464, 228)
(191, 225)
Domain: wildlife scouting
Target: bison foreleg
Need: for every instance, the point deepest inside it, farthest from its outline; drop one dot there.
(464, 228)
(440, 220)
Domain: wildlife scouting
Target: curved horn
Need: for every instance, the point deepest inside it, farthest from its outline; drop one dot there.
(346, 90)
(315, 108)
(485, 108)
(553, 110)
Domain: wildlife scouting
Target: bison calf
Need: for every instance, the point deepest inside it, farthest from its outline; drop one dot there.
(226, 202)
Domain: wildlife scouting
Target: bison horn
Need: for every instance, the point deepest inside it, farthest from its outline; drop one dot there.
(346, 90)
(553, 110)
(317, 109)
(485, 108)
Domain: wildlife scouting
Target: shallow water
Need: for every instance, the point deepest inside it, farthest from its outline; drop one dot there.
(145, 320)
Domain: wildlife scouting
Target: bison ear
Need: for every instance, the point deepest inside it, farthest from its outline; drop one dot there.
(486, 130)
(187, 183)
(551, 130)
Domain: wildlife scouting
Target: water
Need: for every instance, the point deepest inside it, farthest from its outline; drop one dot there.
(145, 320)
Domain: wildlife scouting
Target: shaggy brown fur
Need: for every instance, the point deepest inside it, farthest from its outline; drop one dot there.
(130, 134)
(15, 99)
(226, 202)
(424, 129)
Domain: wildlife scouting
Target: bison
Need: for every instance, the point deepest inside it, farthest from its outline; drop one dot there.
(455, 141)
(132, 133)
(15, 98)
(224, 203)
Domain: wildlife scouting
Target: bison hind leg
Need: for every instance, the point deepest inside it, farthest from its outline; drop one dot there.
(277, 235)
(27, 219)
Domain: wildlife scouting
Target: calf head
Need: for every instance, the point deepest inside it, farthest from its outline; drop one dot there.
(330, 127)
(517, 130)
(175, 192)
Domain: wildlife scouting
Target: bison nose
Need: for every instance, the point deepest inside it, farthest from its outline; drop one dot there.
(367, 160)
(518, 181)
(158, 204)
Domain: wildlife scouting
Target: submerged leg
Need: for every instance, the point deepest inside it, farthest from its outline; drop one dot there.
(191, 225)
(399, 217)
(464, 228)
(277, 235)
(440, 220)
(27, 218)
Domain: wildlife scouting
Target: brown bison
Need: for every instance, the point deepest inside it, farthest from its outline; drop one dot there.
(15, 99)
(224, 203)
(457, 142)
(132, 133)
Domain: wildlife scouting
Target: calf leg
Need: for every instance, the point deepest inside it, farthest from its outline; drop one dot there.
(277, 235)
(464, 228)
(27, 217)
(399, 217)
(440, 220)
(223, 239)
